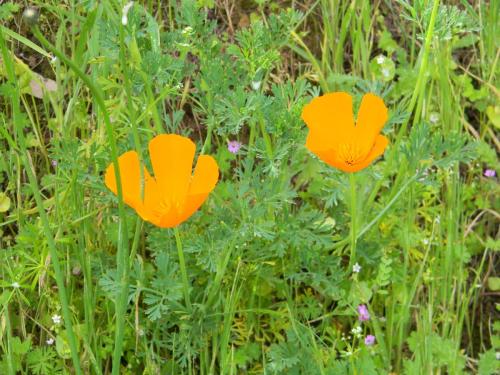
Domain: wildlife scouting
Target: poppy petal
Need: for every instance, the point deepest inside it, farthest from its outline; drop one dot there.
(169, 220)
(330, 119)
(331, 158)
(205, 177)
(172, 159)
(378, 149)
(371, 118)
(131, 183)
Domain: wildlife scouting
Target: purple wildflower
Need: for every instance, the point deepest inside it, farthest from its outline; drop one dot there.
(364, 315)
(490, 173)
(54, 163)
(233, 146)
(369, 340)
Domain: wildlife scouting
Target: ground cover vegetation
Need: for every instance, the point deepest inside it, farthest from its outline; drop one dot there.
(292, 265)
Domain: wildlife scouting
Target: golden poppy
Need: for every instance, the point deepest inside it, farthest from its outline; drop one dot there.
(333, 136)
(174, 193)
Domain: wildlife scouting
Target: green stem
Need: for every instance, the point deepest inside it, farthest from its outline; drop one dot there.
(422, 74)
(208, 140)
(16, 110)
(387, 206)
(417, 93)
(10, 361)
(267, 138)
(352, 183)
(182, 264)
(123, 257)
(122, 254)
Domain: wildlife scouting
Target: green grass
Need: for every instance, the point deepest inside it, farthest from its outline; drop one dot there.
(260, 280)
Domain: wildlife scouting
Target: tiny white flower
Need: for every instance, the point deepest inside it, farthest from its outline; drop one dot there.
(434, 118)
(497, 356)
(50, 341)
(125, 10)
(56, 319)
(256, 85)
(380, 59)
(357, 330)
(437, 219)
(425, 241)
(15, 284)
(348, 354)
(187, 30)
(356, 268)
(53, 59)
(386, 72)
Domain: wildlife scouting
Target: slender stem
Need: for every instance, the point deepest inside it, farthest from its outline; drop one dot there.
(267, 138)
(208, 140)
(417, 92)
(16, 111)
(387, 206)
(122, 254)
(182, 264)
(123, 257)
(352, 183)
(10, 361)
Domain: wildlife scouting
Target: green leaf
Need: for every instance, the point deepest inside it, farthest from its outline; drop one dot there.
(20, 347)
(488, 363)
(494, 283)
(4, 202)
(493, 114)
(62, 345)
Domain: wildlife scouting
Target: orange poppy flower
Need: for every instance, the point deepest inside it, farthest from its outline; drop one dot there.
(174, 193)
(333, 136)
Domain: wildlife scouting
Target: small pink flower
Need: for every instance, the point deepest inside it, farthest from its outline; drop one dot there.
(369, 340)
(233, 146)
(363, 312)
(490, 173)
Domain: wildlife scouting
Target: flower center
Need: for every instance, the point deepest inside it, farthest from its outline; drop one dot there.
(350, 153)
(165, 206)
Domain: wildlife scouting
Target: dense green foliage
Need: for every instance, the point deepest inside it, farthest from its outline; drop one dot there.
(267, 255)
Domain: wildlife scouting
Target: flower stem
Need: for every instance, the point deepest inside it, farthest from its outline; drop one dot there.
(49, 237)
(122, 254)
(352, 183)
(182, 264)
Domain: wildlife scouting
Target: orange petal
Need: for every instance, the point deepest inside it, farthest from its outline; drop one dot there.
(331, 158)
(378, 149)
(131, 183)
(205, 177)
(168, 220)
(172, 159)
(371, 118)
(330, 120)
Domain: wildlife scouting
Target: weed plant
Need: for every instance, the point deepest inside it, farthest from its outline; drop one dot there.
(271, 283)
